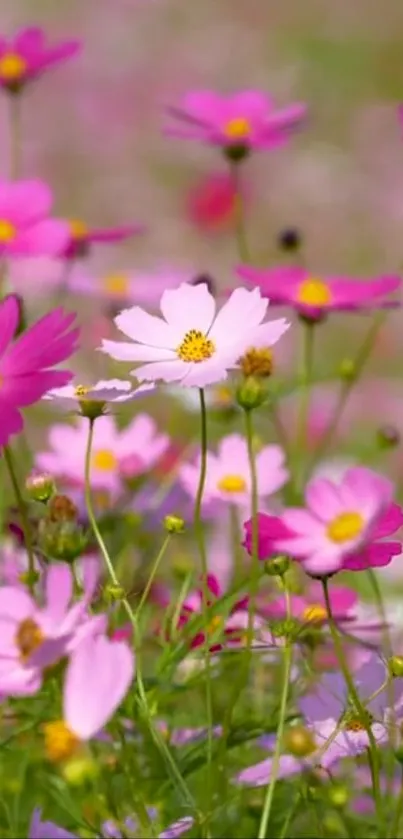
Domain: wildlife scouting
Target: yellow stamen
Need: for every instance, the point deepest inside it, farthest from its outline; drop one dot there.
(345, 527)
(12, 66)
(78, 229)
(232, 484)
(257, 362)
(105, 460)
(195, 347)
(314, 614)
(60, 742)
(214, 625)
(28, 638)
(116, 284)
(314, 292)
(7, 231)
(81, 390)
(238, 128)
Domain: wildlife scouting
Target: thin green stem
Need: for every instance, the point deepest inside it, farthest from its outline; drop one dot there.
(236, 542)
(240, 231)
(359, 706)
(398, 814)
(255, 565)
(154, 570)
(22, 507)
(199, 533)
(358, 366)
(15, 136)
(303, 413)
(287, 662)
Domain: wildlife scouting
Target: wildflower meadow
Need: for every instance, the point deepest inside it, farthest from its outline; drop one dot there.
(201, 402)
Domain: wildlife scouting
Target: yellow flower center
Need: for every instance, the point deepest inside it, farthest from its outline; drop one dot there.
(314, 613)
(353, 722)
(105, 460)
(12, 66)
(214, 625)
(60, 742)
(7, 231)
(81, 390)
(195, 347)
(314, 292)
(237, 128)
(345, 527)
(28, 638)
(78, 229)
(116, 284)
(232, 484)
(257, 362)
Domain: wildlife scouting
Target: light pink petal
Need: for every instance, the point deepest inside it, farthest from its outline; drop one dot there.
(324, 560)
(98, 677)
(45, 238)
(267, 334)
(188, 307)
(59, 591)
(302, 522)
(15, 604)
(244, 309)
(9, 319)
(204, 105)
(366, 491)
(122, 351)
(146, 329)
(24, 202)
(208, 372)
(323, 498)
(166, 371)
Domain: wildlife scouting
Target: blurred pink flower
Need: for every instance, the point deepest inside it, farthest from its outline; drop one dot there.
(25, 229)
(144, 288)
(228, 472)
(193, 345)
(27, 55)
(109, 391)
(314, 296)
(310, 607)
(242, 121)
(25, 366)
(232, 627)
(111, 448)
(211, 202)
(81, 236)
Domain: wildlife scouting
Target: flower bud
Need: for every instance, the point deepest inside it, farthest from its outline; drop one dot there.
(258, 362)
(79, 770)
(114, 593)
(299, 741)
(277, 566)
(236, 152)
(289, 239)
(388, 437)
(62, 508)
(40, 487)
(347, 369)
(251, 393)
(338, 795)
(29, 578)
(174, 524)
(63, 540)
(395, 666)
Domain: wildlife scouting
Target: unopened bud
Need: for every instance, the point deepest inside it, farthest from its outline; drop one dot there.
(277, 566)
(79, 770)
(395, 666)
(347, 369)
(299, 741)
(338, 795)
(388, 437)
(251, 393)
(29, 578)
(40, 487)
(61, 540)
(289, 239)
(114, 592)
(258, 362)
(174, 524)
(236, 152)
(62, 508)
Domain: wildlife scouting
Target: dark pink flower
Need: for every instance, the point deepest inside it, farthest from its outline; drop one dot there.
(313, 295)
(237, 123)
(270, 529)
(233, 627)
(26, 364)
(310, 607)
(211, 203)
(82, 236)
(25, 229)
(27, 55)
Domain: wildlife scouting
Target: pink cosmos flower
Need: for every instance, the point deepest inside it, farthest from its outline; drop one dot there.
(342, 523)
(310, 607)
(34, 637)
(13, 563)
(228, 472)
(246, 120)
(27, 55)
(314, 296)
(25, 226)
(270, 530)
(104, 391)
(25, 365)
(139, 446)
(193, 345)
(81, 236)
(136, 287)
(211, 203)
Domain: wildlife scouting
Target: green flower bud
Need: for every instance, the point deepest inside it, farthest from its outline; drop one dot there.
(299, 741)
(40, 487)
(114, 593)
(251, 393)
(395, 666)
(174, 524)
(63, 540)
(277, 566)
(388, 437)
(347, 369)
(338, 795)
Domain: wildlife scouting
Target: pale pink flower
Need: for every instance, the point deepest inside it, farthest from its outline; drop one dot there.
(109, 391)
(25, 226)
(228, 476)
(192, 344)
(142, 288)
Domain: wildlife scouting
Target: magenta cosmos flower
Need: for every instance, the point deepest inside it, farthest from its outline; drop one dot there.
(25, 229)
(342, 524)
(82, 236)
(314, 296)
(98, 676)
(27, 55)
(237, 123)
(192, 344)
(310, 607)
(25, 365)
(132, 451)
(228, 472)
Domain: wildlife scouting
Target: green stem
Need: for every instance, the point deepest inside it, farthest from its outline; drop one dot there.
(303, 414)
(240, 231)
(143, 703)
(280, 728)
(153, 572)
(359, 706)
(199, 533)
(347, 386)
(398, 814)
(22, 507)
(15, 136)
(236, 542)
(255, 564)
